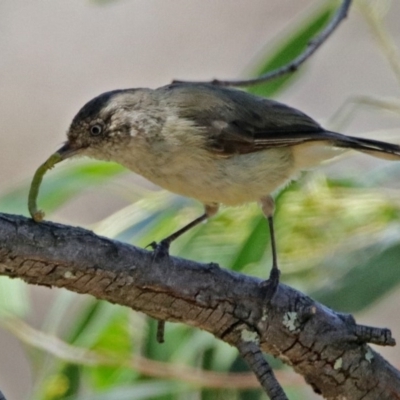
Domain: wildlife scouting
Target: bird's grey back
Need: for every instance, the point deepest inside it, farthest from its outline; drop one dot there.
(204, 103)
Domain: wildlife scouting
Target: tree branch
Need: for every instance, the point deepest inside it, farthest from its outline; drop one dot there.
(326, 347)
(312, 47)
(250, 351)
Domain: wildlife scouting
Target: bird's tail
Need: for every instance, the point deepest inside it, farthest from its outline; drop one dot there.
(387, 151)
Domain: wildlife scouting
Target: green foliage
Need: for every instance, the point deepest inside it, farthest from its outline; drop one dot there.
(288, 49)
(60, 185)
(322, 226)
(14, 300)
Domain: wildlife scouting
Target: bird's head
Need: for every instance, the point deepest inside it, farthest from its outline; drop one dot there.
(102, 125)
(102, 129)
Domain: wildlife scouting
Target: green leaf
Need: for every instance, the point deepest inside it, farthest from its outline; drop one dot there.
(149, 219)
(94, 320)
(254, 245)
(14, 297)
(291, 47)
(60, 185)
(367, 275)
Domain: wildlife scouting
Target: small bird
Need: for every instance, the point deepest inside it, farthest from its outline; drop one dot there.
(211, 143)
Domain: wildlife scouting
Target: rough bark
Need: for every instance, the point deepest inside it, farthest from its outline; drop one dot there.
(326, 347)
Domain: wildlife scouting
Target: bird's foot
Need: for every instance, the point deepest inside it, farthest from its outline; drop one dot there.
(160, 250)
(270, 286)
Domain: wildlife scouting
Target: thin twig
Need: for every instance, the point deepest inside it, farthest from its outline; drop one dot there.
(351, 105)
(160, 331)
(251, 353)
(312, 46)
(158, 369)
(381, 34)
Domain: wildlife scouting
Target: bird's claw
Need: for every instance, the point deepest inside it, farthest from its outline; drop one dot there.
(270, 286)
(160, 250)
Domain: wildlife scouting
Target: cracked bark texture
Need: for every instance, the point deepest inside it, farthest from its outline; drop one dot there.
(327, 348)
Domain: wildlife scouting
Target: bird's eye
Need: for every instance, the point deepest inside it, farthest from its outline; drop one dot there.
(96, 130)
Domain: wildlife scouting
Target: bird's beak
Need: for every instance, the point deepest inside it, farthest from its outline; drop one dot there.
(66, 151)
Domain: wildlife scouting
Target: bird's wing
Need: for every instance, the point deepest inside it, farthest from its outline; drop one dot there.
(236, 122)
(240, 137)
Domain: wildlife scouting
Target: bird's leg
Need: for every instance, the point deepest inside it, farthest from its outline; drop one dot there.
(161, 249)
(268, 208)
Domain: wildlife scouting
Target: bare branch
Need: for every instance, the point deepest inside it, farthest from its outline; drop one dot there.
(157, 369)
(250, 351)
(312, 46)
(328, 349)
(369, 334)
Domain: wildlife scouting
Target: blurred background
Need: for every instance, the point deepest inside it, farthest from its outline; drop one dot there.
(338, 228)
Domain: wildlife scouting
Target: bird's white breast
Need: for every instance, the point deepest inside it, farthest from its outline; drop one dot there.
(176, 159)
